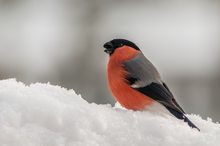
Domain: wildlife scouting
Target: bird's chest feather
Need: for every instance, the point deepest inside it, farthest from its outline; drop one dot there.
(121, 90)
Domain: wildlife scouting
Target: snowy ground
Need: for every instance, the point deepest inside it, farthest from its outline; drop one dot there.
(47, 115)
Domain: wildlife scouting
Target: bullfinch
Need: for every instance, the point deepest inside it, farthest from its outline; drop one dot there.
(135, 82)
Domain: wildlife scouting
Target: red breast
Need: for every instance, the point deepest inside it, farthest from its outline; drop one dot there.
(124, 94)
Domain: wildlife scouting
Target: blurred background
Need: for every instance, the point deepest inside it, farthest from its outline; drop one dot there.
(60, 41)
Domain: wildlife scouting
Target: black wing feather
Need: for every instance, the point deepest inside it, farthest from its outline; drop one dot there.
(173, 99)
(159, 93)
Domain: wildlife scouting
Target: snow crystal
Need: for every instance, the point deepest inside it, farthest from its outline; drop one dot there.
(47, 115)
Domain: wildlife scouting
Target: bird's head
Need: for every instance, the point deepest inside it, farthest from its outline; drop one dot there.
(112, 45)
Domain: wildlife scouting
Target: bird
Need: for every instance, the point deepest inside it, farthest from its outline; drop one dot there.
(135, 82)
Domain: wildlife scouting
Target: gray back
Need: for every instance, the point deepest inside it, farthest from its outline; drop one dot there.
(143, 70)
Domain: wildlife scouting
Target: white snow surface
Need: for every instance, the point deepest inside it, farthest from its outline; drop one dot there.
(47, 115)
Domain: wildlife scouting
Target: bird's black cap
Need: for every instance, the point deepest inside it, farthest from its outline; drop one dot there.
(116, 43)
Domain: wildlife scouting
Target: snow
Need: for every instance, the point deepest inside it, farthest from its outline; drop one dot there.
(47, 115)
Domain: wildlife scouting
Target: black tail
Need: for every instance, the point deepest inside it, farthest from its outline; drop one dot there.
(182, 117)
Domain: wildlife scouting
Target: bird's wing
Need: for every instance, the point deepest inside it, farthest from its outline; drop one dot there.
(159, 93)
(143, 77)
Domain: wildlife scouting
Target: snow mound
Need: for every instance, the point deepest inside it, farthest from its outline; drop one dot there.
(47, 115)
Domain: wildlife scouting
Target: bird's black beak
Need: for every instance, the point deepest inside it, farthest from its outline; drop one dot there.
(109, 48)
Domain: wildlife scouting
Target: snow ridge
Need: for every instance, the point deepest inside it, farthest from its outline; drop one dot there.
(47, 115)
